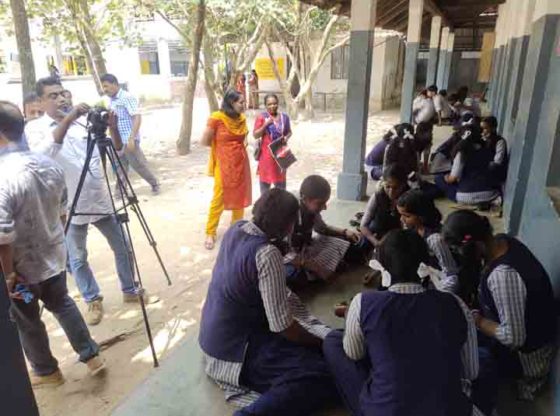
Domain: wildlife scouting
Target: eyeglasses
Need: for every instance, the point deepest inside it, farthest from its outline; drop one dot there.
(63, 93)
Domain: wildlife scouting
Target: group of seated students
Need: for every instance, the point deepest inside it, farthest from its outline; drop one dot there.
(419, 346)
(470, 167)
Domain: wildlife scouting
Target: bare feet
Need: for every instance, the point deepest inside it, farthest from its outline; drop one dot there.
(210, 242)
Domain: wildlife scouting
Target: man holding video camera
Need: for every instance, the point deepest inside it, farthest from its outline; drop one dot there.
(32, 253)
(59, 135)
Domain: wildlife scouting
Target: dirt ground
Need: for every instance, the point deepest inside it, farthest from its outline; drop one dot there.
(177, 219)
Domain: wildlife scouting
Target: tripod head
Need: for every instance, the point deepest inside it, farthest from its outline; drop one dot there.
(98, 122)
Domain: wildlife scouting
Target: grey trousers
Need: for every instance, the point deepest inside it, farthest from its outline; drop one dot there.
(137, 161)
(32, 331)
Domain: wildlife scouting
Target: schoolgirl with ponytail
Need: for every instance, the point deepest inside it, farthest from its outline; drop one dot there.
(419, 213)
(470, 181)
(516, 320)
(402, 149)
(373, 164)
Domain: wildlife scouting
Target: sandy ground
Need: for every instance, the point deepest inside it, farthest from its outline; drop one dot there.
(177, 219)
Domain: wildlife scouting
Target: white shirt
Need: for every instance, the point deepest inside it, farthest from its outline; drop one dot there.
(71, 155)
(441, 105)
(32, 200)
(424, 109)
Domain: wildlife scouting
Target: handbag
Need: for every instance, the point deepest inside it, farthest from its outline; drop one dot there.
(282, 154)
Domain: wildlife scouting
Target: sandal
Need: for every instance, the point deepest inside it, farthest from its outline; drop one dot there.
(210, 242)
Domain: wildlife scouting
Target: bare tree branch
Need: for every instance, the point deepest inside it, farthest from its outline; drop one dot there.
(181, 32)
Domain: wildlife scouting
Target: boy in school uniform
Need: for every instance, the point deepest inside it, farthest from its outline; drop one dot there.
(317, 256)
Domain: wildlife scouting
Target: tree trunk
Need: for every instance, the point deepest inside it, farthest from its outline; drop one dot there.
(26, 64)
(93, 45)
(209, 75)
(184, 140)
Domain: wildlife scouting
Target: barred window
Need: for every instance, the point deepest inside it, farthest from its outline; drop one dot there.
(149, 58)
(340, 60)
(179, 59)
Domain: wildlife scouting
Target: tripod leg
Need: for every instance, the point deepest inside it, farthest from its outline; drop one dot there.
(126, 235)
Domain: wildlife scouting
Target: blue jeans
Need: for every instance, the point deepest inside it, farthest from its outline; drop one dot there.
(33, 334)
(76, 241)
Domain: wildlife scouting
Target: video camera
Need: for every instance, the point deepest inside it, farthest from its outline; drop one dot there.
(98, 121)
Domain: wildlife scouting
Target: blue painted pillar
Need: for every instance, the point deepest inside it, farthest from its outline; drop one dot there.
(431, 76)
(537, 75)
(15, 387)
(442, 57)
(520, 49)
(509, 45)
(352, 181)
(497, 61)
(415, 9)
(448, 61)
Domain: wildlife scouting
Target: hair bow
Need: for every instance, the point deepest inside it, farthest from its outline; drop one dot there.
(408, 135)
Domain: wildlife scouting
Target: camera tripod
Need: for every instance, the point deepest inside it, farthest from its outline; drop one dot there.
(97, 138)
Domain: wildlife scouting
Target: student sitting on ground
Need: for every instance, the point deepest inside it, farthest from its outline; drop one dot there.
(469, 181)
(374, 160)
(316, 257)
(498, 146)
(381, 215)
(517, 322)
(406, 350)
(419, 213)
(441, 160)
(402, 149)
(255, 334)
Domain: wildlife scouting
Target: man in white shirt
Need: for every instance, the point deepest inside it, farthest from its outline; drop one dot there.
(423, 106)
(58, 135)
(33, 254)
(442, 107)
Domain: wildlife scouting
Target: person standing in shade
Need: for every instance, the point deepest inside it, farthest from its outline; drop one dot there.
(129, 119)
(33, 199)
(226, 135)
(269, 127)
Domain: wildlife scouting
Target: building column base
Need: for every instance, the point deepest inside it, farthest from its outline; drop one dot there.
(351, 186)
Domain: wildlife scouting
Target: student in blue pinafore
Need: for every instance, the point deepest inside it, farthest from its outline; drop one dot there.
(406, 350)
(470, 181)
(517, 316)
(419, 213)
(373, 164)
(257, 336)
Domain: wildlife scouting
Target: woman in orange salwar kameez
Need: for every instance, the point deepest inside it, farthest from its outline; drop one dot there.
(226, 133)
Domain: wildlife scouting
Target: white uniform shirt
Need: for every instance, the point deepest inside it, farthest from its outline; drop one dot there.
(71, 155)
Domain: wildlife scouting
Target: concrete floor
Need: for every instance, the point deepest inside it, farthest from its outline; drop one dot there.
(180, 387)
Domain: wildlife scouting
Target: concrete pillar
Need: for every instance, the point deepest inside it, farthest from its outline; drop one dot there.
(442, 56)
(415, 10)
(164, 59)
(352, 181)
(448, 61)
(503, 89)
(434, 50)
(14, 382)
(497, 61)
(537, 76)
(520, 45)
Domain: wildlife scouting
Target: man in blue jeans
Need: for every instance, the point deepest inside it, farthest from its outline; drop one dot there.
(33, 200)
(58, 135)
